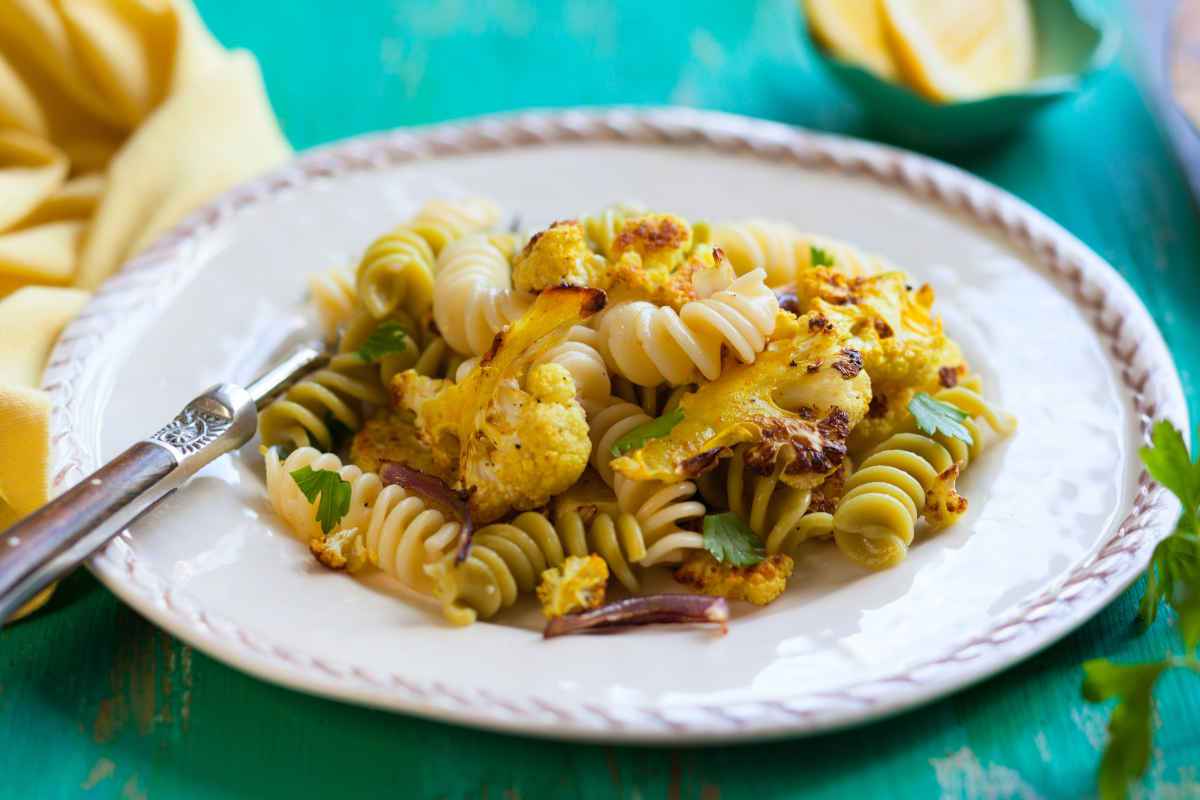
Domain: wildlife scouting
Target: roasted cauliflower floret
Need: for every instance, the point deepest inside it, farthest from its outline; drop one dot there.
(410, 392)
(901, 340)
(577, 585)
(887, 412)
(393, 436)
(759, 584)
(649, 257)
(943, 504)
(828, 493)
(630, 281)
(532, 444)
(804, 393)
(903, 345)
(340, 550)
(517, 433)
(660, 241)
(558, 256)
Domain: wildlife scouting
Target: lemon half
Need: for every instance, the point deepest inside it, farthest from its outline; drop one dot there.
(852, 30)
(959, 49)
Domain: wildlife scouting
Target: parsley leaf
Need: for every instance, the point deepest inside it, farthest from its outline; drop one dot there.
(333, 491)
(819, 256)
(1174, 576)
(1129, 728)
(1174, 571)
(934, 416)
(731, 541)
(1168, 462)
(654, 429)
(388, 337)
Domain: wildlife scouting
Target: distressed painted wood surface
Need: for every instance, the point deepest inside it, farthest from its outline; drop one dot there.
(96, 702)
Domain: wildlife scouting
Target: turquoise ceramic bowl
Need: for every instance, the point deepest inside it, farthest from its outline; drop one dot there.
(1071, 48)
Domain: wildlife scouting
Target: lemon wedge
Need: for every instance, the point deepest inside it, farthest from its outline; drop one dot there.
(960, 49)
(852, 30)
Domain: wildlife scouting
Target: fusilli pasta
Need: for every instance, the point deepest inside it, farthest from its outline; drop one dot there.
(425, 351)
(657, 507)
(651, 344)
(602, 227)
(336, 394)
(334, 298)
(642, 310)
(909, 476)
(294, 508)
(617, 538)
(779, 514)
(397, 269)
(400, 531)
(784, 251)
(440, 222)
(506, 558)
(473, 296)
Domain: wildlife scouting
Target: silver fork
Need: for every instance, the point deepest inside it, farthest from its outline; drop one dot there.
(56, 538)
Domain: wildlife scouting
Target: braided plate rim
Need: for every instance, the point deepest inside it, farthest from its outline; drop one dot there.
(1148, 377)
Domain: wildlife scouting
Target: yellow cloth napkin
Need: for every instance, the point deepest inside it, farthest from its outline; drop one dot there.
(117, 118)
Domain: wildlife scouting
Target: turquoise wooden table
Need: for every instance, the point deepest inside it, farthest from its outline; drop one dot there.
(96, 702)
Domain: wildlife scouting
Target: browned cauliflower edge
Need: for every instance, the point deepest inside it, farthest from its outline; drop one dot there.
(759, 584)
(577, 585)
(512, 435)
(340, 550)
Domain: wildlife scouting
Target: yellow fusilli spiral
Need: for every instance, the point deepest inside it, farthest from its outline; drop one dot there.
(339, 392)
(579, 356)
(400, 530)
(397, 269)
(425, 351)
(652, 399)
(440, 222)
(506, 558)
(908, 476)
(778, 513)
(651, 344)
(473, 296)
(783, 250)
(657, 507)
(437, 359)
(616, 538)
(334, 297)
(344, 391)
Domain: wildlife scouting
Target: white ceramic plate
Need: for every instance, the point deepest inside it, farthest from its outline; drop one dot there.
(1061, 517)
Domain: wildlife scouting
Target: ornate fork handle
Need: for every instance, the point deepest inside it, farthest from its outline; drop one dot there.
(52, 540)
(57, 537)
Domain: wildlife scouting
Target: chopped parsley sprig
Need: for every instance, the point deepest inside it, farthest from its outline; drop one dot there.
(819, 256)
(730, 541)
(330, 488)
(388, 337)
(654, 429)
(934, 416)
(1174, 577)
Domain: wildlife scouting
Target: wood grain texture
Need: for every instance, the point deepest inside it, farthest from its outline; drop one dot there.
(95, 702)
(56, 527)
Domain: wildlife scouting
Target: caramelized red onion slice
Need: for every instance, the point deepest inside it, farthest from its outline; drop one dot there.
(654, 609)
(435, 490)
(789, 300)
